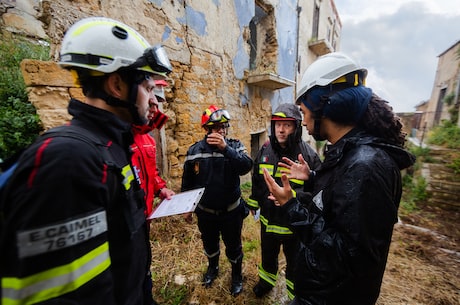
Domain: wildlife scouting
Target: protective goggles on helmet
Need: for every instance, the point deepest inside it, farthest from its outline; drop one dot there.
(220, 115)
(156, 58)
(219, 126)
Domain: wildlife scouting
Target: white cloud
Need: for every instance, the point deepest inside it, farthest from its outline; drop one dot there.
(398, 41)
(354, 11)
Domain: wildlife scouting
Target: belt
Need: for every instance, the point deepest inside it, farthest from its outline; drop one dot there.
(220, 212)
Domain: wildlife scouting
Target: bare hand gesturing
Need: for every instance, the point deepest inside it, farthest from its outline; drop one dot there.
(296, 170)
(280, 195)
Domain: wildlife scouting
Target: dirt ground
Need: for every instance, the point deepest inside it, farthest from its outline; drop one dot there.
(424, 262)
(423, 266)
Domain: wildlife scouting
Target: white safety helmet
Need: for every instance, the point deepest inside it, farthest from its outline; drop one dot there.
(106, 45)
(159, 89)
(325, 70)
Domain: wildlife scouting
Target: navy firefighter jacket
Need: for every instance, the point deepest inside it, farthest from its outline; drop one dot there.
(218, 171)
(73, 224)
(268, 158)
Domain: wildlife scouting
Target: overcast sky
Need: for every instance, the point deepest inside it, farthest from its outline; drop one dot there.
(399, 41)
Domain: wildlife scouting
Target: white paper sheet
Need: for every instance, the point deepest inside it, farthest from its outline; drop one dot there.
(178, 204)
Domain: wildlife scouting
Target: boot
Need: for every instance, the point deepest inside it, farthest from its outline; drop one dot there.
(262, 288)
(212, 272)
(237, 278)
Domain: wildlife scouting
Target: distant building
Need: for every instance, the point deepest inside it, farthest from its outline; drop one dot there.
(445, 93)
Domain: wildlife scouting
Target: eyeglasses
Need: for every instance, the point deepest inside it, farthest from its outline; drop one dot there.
(219, 115)
(156, 58)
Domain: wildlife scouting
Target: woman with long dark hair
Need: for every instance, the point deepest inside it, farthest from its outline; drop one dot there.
(345, 229)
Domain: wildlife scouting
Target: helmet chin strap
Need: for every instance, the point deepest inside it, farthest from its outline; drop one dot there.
(130, 104)
(317, 115)
(316, 129)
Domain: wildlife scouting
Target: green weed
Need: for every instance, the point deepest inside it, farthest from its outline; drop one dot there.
(19, 122)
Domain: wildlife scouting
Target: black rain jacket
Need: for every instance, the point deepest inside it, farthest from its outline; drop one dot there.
(346, 230)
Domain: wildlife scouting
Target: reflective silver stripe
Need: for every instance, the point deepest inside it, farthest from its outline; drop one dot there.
(56, 281)
(61, 235)
(318, 200)
(204, 156)
(229, 208)
(213, 254)
(241, 149)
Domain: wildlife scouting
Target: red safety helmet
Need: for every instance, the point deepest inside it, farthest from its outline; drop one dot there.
(214, 114)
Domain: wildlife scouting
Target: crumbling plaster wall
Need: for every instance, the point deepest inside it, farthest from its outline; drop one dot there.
(206, 43)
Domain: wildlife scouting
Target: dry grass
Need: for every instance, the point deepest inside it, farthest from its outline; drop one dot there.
(178, 264)
(419, 271)
(423, 267)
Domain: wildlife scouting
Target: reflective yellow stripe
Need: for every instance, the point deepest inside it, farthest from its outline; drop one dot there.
(269, 168)
(291, 295)
(280, 114)
(356, 82)
(56, 281)
(278, 175)
(91, 25)
(253, 203)
(339, 80)
(267, 276)
(128, 175)
(290, 289)
(343, 79)
(278, 171)
(274, 228)
(296, 181)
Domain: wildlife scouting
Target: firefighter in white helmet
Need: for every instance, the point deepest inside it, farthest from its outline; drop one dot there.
(345, 229)
(73, 229)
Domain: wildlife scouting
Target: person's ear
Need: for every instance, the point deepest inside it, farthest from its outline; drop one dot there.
(115, 86)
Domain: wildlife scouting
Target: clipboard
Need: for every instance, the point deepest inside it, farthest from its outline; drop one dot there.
(178, 204)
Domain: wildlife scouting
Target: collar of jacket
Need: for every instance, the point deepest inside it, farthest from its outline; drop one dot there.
(357, 137)
(137, 129)
(334, 153)
(101, 121)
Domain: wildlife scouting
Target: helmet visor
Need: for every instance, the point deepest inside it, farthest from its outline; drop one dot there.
(220, 115)
(156, 58)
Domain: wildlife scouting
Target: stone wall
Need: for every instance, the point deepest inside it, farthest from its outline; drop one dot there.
(443, 182)
(208, 43)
